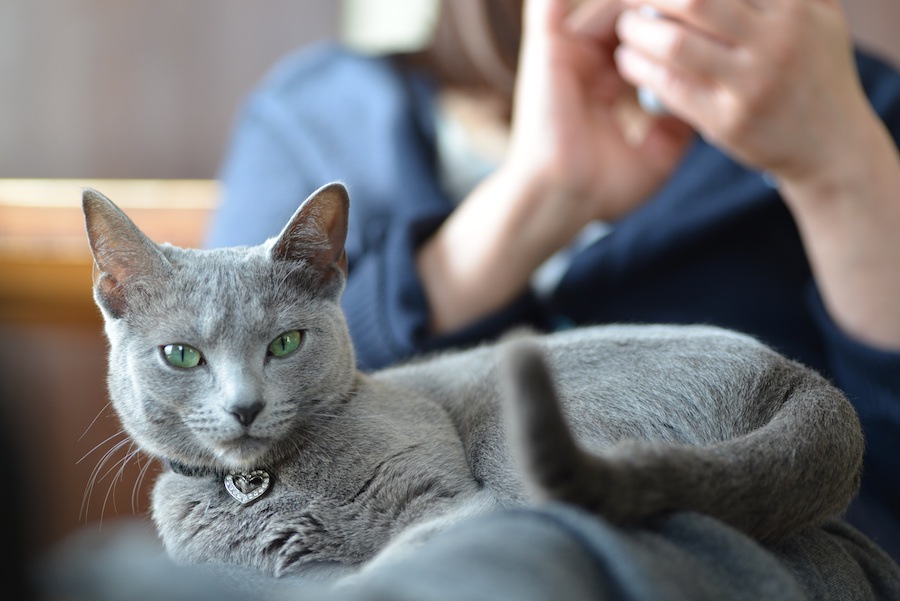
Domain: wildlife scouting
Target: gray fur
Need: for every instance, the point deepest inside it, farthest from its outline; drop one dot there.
(629, 421)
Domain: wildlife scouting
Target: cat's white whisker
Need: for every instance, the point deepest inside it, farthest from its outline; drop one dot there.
(118, 477)
(120, 464)
(100, 444)
(138, 482)
(95, 473)
(94, 421)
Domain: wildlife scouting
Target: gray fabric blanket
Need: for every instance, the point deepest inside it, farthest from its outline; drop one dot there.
(554, 553)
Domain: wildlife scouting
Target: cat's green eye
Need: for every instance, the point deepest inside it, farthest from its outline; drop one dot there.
(182, 355)
(286, 343)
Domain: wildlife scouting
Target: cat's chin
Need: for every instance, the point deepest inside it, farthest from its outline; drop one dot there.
(246, 452)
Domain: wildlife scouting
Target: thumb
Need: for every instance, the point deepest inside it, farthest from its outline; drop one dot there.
(543, 16)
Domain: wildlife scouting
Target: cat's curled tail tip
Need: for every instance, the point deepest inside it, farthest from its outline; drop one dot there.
(539, 434)
(522, 362)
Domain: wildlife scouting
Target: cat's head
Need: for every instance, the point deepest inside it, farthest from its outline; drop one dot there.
(218, 358)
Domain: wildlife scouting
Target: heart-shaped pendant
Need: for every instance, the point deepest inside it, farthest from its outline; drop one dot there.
(246, 487)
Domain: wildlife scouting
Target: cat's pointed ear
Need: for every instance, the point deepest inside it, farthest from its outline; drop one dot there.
(317, 233)
(124, 258)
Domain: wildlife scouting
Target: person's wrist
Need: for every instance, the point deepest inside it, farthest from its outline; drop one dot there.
(843, 171)
(483, 255)
(531, 216)
(547, 197)
(848, 217)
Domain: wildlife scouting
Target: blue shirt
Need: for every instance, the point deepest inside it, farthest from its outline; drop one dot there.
(716, 245)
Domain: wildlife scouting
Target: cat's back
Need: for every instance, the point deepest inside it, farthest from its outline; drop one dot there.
(594, 362)
(684, 384)
(690, 384)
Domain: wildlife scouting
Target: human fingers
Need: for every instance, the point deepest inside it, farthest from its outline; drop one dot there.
(542, 16)
(595, 19)
(556, 48)
(674, 45)
(728, 21)
(681, 92)
(782, 95)
(591, 28)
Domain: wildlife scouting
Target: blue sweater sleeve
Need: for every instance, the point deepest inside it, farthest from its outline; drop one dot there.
(870, 378)
(262, 183)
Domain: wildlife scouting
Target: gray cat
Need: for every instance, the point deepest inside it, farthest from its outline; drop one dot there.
(234, 366)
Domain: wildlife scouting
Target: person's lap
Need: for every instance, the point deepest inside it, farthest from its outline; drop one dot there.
(556, 552)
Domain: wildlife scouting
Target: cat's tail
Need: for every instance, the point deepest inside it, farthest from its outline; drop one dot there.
(796, 470)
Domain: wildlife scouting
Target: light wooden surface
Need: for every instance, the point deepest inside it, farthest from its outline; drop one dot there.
(42, 217)
(45, 260)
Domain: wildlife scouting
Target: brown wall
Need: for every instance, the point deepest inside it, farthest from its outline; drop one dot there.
(136, 88)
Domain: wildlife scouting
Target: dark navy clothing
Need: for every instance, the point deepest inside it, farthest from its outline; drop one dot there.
(716, 245)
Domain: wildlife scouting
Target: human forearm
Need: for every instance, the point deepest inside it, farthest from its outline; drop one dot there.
(849, 219)
(483, 256)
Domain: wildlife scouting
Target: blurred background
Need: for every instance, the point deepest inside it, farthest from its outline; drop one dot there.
(137, 97)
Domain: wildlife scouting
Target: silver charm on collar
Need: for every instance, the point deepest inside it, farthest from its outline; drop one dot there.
(246, 487)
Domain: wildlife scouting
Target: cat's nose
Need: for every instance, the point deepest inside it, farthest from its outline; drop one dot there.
(246, 413)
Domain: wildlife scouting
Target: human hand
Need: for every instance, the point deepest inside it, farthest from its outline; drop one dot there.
(570, 161)
(772, 82)
(568, 135)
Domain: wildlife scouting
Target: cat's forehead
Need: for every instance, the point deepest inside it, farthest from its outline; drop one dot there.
(236, 290)
(222, 271)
